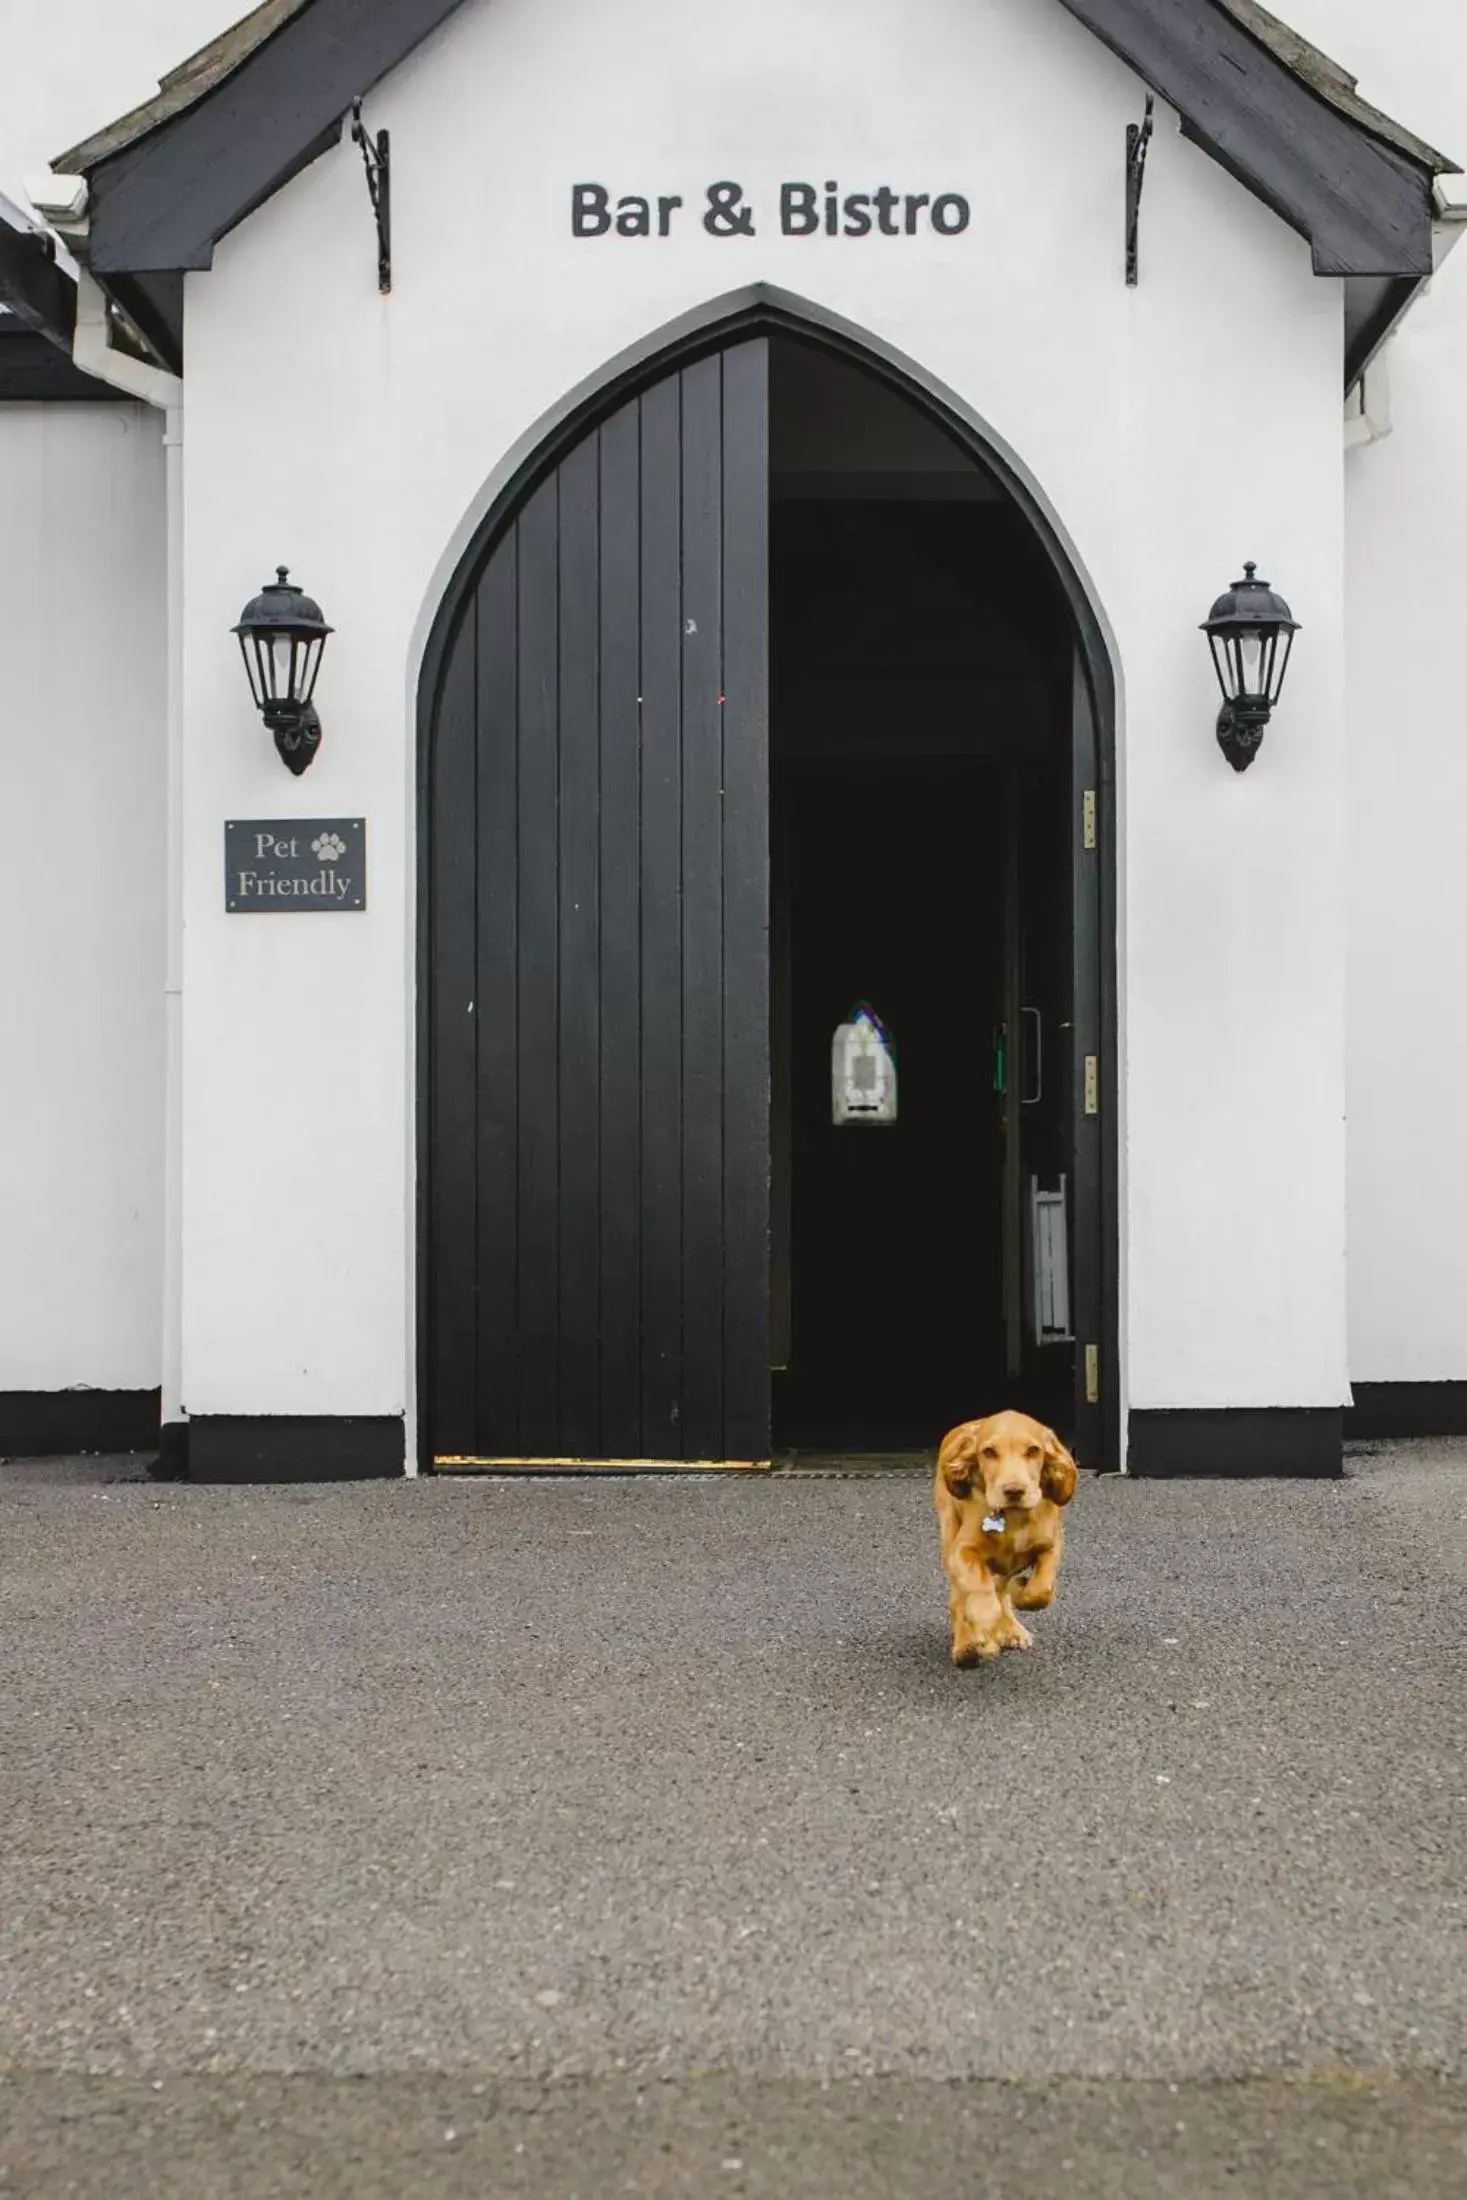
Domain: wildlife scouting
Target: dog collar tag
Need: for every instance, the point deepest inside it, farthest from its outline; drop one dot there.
(993, 1523)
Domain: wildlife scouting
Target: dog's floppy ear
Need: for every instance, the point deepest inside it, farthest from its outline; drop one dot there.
(956, 1460)
(1057, 1476)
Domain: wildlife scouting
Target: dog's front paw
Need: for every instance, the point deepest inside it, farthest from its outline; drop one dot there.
(1033, 1596)
(973, 1649)
(1011, 1634)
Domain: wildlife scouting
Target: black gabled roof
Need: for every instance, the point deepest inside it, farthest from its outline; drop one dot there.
(1287, 123)
(36, 291)
(35, 370)
(1333, 84)
(258, 104)
(183, 87)
(38, 301)
(37, 319)
(235, 123)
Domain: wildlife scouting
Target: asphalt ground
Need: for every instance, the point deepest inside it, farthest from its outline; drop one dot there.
(581, 1837)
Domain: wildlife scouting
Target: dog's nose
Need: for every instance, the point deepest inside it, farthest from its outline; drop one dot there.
(1013, 1491)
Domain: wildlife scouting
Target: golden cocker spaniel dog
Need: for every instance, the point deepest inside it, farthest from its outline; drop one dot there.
(999, 1487)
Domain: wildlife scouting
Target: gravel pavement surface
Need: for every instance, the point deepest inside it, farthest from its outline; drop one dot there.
(586, 1837)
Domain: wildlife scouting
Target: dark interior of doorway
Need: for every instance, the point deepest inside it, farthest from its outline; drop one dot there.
(922, 662)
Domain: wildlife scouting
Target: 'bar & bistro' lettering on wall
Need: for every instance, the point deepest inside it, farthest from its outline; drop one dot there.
(805, 210)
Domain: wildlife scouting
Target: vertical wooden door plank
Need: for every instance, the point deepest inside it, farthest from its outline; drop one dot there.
(702, 908)
(579, 1042)
(1086, 1273)
(621, 937)
(746, 899)
(452, 1353)
(539, 974)
(661, 882)
(496, 999)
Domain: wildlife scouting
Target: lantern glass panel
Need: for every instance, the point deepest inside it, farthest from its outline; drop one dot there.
(311, 665)
(1223, 664)
(252, 668)
(1283, 642)
(282, 667)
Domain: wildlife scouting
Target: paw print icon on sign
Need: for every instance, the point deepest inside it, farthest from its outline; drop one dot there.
(329, 847)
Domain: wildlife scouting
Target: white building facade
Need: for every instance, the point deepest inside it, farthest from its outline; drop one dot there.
(765, 525)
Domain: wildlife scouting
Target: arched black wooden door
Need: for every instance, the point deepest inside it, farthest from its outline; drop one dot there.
(597, 898)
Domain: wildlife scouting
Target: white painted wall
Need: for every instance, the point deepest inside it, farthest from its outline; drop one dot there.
(81, 896)
(358, 438)
(1406, 505)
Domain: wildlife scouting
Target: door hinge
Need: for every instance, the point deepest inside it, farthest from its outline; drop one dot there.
(1092, 1374)
(1092, 1084)
(1087, 817)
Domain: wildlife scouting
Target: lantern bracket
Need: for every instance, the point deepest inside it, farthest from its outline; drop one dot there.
(1240, 727)
(377, 160)
(1138, 138)
(295, 729)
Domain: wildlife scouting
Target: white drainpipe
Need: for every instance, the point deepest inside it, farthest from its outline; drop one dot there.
(93, 353)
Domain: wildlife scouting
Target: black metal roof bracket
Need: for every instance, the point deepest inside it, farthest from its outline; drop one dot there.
(377, 160)
(1138, 137)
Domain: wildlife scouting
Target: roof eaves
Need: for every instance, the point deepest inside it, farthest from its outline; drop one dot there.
(1333, 84)
(1381, 233)
(183, 87)
(37, 290)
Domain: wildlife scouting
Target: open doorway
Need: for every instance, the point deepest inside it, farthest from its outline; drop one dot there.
(927, 836)
(641, 925)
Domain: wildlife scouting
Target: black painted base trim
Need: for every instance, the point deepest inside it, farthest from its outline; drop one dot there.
(1305, 1441)
(1408, 1409)
(281, 1448)
(171, 1464)
(49, 1424)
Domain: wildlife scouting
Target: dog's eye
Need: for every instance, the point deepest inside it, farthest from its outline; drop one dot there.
(989, 1452)
(1032, 1452)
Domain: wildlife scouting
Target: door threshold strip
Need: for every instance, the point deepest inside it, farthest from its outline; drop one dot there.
(472, 1463)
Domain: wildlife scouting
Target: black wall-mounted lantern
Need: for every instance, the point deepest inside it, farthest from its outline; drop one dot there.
(1251, 630)
(281, 637)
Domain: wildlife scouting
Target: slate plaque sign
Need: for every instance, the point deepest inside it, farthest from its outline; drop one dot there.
(295, 863)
